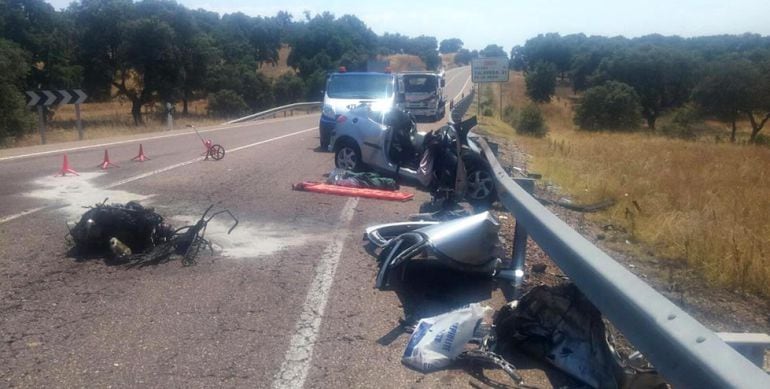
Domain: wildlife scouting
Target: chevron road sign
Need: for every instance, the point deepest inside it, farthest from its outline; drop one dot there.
(47, 98)
(55, 97)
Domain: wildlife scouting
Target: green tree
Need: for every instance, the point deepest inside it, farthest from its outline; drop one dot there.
(518, 62)
(531, 122)
(662, 78)
(541, 82)
(493, 51)
(549, 48)
(464, 57)
(734, 88)
(610, 106)
(288, 88)
(49, 39)
(15, 119)
(226, 103)
(451, 45)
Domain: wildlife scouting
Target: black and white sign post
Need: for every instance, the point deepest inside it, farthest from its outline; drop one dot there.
(493, 69)
(47, 98)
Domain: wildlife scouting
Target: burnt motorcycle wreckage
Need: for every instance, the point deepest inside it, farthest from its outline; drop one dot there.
(136, 235)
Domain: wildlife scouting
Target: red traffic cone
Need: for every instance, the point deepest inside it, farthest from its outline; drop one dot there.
(107, 164)
(65, 168)
(141, 157)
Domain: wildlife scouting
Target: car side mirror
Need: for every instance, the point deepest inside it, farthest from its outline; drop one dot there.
(443, 82)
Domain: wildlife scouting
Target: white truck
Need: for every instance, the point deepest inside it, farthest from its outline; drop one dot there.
(424, 94)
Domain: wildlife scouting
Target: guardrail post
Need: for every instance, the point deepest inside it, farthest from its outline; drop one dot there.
(520, 241)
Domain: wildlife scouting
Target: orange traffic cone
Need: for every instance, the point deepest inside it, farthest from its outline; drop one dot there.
(65, 168)
(107, 164)
(141, 157)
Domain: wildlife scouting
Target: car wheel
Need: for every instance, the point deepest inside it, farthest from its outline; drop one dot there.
(348, 157)
(480, 185)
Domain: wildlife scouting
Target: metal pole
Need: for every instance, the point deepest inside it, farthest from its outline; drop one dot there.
(501, 100)
(41, 123)
(520, 241)
(79, 123)
(169, 118)
(478, 99)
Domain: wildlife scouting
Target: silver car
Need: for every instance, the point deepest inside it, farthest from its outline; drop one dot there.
(362, 140)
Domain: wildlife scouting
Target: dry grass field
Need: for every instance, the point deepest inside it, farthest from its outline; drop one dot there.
(101, 120)
(703, 202)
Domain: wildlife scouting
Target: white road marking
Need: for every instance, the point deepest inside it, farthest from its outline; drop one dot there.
(185, 163)
(20, 214)
(460, 92)
(299, 356)
(158, 171)
(218, 128)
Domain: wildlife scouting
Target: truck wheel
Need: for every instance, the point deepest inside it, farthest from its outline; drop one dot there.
(348, 157)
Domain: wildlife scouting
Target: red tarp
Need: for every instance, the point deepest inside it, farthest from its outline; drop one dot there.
(318, 187)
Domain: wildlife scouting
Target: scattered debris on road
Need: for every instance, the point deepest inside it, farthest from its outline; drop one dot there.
(437, 341)
(559, 325)
(371, 180)
(138, 235)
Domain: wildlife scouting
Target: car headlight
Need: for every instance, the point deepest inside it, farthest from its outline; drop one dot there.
(327, 110)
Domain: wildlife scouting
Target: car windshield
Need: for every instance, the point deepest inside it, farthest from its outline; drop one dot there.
(422, 83)
(360, 86)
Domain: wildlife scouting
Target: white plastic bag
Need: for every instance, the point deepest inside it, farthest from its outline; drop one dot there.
(438, 340)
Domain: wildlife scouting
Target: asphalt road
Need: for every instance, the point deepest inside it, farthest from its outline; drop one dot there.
(289, 303)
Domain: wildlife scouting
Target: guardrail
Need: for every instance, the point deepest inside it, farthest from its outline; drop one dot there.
(289, 107)
(459, 108)
(686, 353)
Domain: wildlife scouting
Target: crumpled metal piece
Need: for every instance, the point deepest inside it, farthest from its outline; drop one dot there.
(559, 325)
(465, 244)
(381, 234)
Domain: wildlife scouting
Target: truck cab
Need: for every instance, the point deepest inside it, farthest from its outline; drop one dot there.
(347, 90)
(424, 94)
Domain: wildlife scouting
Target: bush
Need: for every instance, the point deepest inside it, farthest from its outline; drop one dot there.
(226, 103)
(510, 116)
(682, 123)
(610, 106)
(531, 122)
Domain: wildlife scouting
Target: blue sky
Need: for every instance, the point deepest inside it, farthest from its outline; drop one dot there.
(512, 22)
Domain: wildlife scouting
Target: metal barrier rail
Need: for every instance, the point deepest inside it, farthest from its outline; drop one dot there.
(685, 352)
(461, 106)
(306, 105)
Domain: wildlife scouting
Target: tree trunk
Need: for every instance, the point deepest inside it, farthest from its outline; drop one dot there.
(136, 111)
(650, 122)
(185, 98)
(732, 135)
(756, 127)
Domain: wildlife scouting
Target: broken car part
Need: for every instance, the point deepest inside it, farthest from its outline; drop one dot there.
(381, 234)
(559, 324)
(465, 244)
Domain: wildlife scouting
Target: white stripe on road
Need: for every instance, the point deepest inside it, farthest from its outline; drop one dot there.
(158, 171)
(142, 139)
(296, 363)
(20, 214)
(185, 163)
